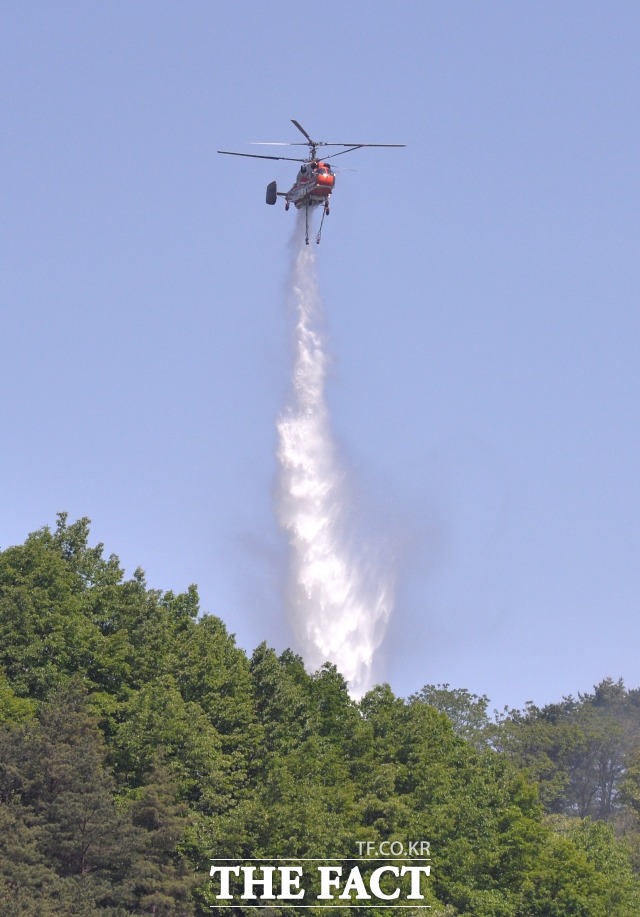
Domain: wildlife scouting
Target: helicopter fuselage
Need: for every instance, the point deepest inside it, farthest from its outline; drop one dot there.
(315, 180)
(314, 183)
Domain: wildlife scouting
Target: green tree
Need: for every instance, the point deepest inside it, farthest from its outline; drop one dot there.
(163, 878)
(137, 740)
(467, 712)
(60, 797)
(29, 887)
(212, 672)
(156, 719)
(577, 750)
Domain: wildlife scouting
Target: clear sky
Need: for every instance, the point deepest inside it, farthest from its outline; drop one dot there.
(480, 290)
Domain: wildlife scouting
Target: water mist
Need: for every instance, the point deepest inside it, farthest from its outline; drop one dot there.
(338, 594)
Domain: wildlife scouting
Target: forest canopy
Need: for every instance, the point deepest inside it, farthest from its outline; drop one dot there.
(138, 741)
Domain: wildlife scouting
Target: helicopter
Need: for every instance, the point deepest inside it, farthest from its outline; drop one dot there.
(315, 180)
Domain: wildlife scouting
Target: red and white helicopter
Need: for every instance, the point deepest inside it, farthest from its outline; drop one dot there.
(315, 180)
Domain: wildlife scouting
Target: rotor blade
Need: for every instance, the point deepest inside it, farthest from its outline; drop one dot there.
(333, 155)
(302, 131)
(257, 156)
(358, 145)
(275, 143)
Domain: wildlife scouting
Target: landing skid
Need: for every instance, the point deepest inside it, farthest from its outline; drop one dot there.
(325, 212)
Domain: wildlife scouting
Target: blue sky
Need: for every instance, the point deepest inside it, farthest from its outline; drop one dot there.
(480, 289)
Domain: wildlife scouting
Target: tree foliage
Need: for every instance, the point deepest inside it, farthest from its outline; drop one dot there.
(137, 741)
(578, 751)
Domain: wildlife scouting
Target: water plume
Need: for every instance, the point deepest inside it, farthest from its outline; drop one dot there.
(338, 594)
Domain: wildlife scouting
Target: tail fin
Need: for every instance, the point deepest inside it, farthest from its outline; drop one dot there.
(272, 193)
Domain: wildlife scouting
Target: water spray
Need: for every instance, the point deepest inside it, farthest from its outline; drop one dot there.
(338, 595)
